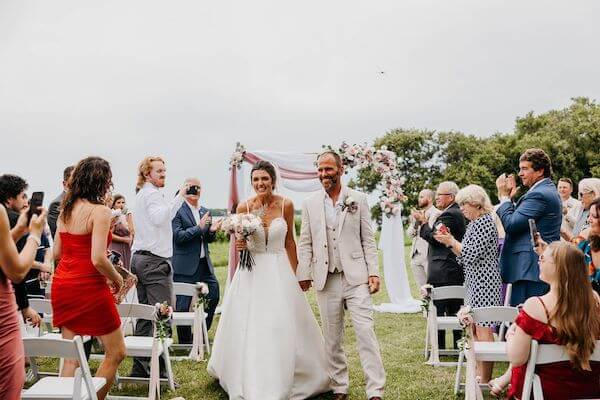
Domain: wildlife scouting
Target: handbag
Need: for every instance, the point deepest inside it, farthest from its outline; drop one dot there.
(129, 279)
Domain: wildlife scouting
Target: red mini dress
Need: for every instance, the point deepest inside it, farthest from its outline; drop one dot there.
(81, 298)
(559, 380)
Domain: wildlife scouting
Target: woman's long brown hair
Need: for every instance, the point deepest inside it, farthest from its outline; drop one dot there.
(576, 316)
(90, 180)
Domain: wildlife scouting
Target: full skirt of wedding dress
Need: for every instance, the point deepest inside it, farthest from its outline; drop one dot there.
(268, 345)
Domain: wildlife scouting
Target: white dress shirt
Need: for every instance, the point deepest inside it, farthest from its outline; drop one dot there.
(152, 220)
(332, 210)
(196, 214)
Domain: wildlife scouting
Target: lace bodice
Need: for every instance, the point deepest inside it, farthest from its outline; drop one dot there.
(271, 242)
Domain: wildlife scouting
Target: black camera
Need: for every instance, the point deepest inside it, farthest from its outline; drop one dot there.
(193, 190)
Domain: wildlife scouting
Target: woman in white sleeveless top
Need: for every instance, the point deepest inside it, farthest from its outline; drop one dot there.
(268, 345)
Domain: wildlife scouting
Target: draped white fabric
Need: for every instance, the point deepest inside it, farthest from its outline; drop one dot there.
(394, 268)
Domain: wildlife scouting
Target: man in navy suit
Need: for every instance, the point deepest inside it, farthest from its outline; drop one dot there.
(192, 232)
(518, 261)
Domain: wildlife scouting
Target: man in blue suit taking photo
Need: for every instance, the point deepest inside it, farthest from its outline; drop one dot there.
(192, 232)
(518, 261)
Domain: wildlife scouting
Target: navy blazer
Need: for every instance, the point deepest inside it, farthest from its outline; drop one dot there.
(188, 239)
(518, 260)
(442, 267)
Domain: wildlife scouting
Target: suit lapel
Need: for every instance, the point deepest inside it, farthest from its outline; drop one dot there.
(320, 200)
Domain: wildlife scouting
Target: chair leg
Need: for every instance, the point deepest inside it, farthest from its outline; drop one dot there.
(169, 368)
(461, 358)
(426, 351)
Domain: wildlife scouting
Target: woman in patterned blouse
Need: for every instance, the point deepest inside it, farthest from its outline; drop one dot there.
(478, 255)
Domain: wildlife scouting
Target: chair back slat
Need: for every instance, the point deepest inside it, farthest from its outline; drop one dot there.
(41, 305)
(135, 310)
(448, 292)
(46, 347)
(184, 289)
(546, 354)
(495, 314)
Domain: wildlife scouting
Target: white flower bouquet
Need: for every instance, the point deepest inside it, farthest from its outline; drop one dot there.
(243, 226)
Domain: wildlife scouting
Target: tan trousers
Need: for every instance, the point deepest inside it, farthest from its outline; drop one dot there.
(359, 303)
(419, 267)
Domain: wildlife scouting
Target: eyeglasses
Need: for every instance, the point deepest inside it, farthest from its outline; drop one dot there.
(582, 193)
(444, 194)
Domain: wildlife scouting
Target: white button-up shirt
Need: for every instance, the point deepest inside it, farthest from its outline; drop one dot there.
(332, 210)
(152, 217)
(196, 214)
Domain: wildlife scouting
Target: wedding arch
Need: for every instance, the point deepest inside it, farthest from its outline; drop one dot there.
(298, 174)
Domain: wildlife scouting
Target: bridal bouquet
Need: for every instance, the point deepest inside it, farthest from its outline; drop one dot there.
(243, 226)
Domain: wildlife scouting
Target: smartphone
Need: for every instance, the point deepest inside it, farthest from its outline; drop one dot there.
(533, 232)
(114, 257)
(441, 228)
(36, 201)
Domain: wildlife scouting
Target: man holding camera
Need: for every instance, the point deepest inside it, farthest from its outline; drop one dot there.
(192, 232)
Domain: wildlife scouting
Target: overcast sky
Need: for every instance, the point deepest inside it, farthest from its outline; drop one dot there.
(187, 79)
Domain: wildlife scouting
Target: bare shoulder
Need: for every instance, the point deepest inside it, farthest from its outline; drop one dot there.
(101, 211)
(288, 206)
(244, 205)
(533, 306)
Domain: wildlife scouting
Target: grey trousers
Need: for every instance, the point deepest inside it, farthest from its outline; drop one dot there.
(155, 285)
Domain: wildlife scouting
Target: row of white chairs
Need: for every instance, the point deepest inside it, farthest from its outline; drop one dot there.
(136, 346)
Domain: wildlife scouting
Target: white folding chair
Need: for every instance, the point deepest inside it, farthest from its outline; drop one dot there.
(487, 351)
(435, 323)
(545, 354)
(188, 318)
(82, 386)
(147, 346)
(44, 306)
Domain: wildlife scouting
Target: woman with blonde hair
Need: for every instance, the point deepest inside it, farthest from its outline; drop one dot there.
(589, 190)
(478, 255)
(567, 315)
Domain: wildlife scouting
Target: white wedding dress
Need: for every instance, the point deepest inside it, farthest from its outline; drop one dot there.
(268, 345)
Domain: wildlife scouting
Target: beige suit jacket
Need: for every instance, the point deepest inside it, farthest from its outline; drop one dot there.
(356, 242)
(419, 245)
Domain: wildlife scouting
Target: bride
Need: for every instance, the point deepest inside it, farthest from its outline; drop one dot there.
(268, 345)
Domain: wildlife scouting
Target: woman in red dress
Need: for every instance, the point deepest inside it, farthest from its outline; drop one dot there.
(14, 267)
(569, 315)
(82, 302)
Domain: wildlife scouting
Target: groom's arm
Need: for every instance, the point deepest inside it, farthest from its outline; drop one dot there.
(305, 253)
(367, 238)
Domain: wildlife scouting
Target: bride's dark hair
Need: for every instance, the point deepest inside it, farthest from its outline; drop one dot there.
(268, 168)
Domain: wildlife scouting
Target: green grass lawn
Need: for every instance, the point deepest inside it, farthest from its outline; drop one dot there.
(401, 337)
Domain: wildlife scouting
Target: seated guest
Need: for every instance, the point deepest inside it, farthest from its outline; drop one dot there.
(591, 245)
(518, 261)
(442, 267)
(570, 207)
(82, 303)
(14, 267)
(478, 255)
(192, 232)
(589, 190)
(121, 229)
(563, 316)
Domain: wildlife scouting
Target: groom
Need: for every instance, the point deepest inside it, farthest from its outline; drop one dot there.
(337, 247)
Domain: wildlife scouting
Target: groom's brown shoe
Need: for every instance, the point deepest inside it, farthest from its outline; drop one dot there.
(340, 396)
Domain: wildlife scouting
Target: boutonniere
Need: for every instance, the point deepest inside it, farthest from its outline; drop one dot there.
(350, 205)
